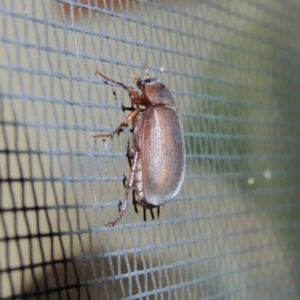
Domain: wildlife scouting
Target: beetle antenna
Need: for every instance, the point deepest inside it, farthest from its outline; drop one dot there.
(127, 88)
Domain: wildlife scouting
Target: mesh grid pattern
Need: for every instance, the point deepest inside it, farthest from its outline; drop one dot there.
(233, 230)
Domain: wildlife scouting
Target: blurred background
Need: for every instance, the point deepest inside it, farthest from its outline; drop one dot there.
(233, 231)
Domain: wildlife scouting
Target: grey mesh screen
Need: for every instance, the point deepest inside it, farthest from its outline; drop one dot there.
(232, 232)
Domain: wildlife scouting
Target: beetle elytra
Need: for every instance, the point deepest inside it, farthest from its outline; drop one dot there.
(157, 155)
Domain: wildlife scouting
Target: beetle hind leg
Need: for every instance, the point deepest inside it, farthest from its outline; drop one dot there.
(122, 209)
(151, 212)
(129, 186)
(130, 156)
(134, 202)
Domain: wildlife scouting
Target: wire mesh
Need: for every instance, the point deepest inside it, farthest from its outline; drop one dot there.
(233, 230)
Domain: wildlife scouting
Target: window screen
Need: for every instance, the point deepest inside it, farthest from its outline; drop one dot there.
(232, 232)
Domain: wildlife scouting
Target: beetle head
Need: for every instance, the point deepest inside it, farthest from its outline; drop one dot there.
(154, 92)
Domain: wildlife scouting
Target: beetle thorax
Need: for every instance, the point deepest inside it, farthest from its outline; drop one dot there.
(154, 92)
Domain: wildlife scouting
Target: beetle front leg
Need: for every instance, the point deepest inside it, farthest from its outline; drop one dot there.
(120, 127)
(129, 186)
(134, 95)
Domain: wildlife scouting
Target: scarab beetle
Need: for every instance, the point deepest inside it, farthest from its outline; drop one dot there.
(157, 155)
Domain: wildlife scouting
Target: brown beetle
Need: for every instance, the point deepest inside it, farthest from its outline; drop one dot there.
(158, 152)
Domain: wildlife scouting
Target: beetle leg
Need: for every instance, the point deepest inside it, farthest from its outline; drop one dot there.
(130, 156)
(134, 95)
(129, 186)
(152, 214)
(158, 211)
(124, 180)
(134, 202)
(120, 127)
(145, 214)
